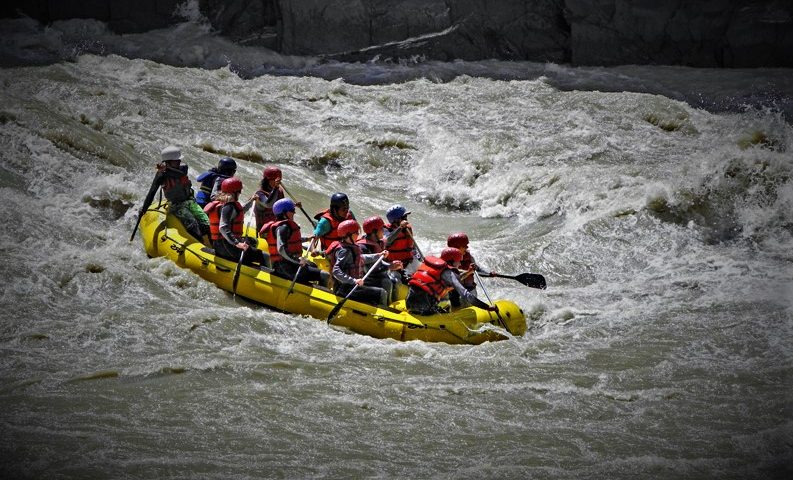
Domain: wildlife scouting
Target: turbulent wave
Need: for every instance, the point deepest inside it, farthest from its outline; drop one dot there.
(664, 230)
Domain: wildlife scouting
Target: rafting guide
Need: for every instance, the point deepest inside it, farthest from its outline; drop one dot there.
(172, 177)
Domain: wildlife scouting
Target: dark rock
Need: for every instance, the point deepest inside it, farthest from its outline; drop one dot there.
(706, 33)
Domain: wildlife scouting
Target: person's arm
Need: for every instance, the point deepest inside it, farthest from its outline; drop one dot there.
(216, 187)
(247, 205)
(227, 215)
(480, 270)
(272, 198)
(282, 235)
(451, 279)
(322, 228)
(343, 257)
(391, 235)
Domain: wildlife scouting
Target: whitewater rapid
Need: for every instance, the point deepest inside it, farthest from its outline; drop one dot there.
(661, 348)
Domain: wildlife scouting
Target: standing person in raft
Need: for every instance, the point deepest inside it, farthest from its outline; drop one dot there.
(399, 239)
(269, 192)
(226, 219)
(212, 178)
(286, 246)
(329, 220)
(349, 267)
(468, 266)
(176, 186)
(372, 242)
(434, 278)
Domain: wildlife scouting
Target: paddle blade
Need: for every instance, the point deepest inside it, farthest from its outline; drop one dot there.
(336, 309)
(533, 280)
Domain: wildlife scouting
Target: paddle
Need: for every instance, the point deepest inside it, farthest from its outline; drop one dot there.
(297, 273)
(533, 280)
(338, 305)
(313, 224)
(145, 207)
(239, 264)
(498, 314)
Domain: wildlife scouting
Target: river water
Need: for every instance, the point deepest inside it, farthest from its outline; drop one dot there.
(657, 202)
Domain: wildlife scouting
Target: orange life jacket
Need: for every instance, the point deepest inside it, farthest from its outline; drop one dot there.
(213, 212)
(294, 245)
(428, 277)
(402, 247)
(333, 235)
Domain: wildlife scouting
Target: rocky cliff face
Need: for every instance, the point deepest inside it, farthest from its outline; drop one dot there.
(709, 33)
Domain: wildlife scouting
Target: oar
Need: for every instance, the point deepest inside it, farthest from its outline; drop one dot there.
(533, 280)
(239, 264)
(338, 305)
(313, 223)
(297, 274)
(415, 244)
(143, 210)
(498, 314)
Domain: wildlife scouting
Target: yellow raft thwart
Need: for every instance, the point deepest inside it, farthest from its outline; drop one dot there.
(164, 236)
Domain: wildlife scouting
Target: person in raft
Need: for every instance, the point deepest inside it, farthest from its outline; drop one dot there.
(385, 276)
(399, 240)
(434, 278)
(226, 220)
(329, 220)
(286, 246)
(211, 180)
(172, 177)
(349, 267)
(269, 192)
(468, 266)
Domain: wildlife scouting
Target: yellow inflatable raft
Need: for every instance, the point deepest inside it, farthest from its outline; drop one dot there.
(164, 236)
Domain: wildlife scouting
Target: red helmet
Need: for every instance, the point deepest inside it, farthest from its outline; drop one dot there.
(372, 223)
(231, 185)
(348, 227)
(457, 240)
(450, 254)
(271, 173)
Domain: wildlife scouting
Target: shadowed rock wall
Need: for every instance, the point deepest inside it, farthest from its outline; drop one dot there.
(709, 33)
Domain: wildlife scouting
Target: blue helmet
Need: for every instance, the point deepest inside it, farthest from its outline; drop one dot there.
(226, 165)
(282, 206)
(395, 213)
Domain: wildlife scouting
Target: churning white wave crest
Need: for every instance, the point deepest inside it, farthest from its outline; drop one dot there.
(657, 202)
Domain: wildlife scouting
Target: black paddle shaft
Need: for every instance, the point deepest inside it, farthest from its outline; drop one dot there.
(533, 280)
(338, 305)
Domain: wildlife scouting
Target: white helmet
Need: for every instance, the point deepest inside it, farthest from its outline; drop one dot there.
(171, 153)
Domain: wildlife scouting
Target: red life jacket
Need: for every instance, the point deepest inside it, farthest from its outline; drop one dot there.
(428, 277)
(333, 235)
(293, 244)
(371, 246)
(213, 212)
(177, 188)
(265, 214)
(469, 281)
(402, 247)
(358, 269)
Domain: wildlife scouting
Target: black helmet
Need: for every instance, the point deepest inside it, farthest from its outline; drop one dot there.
(227, 165)
(339, 199)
